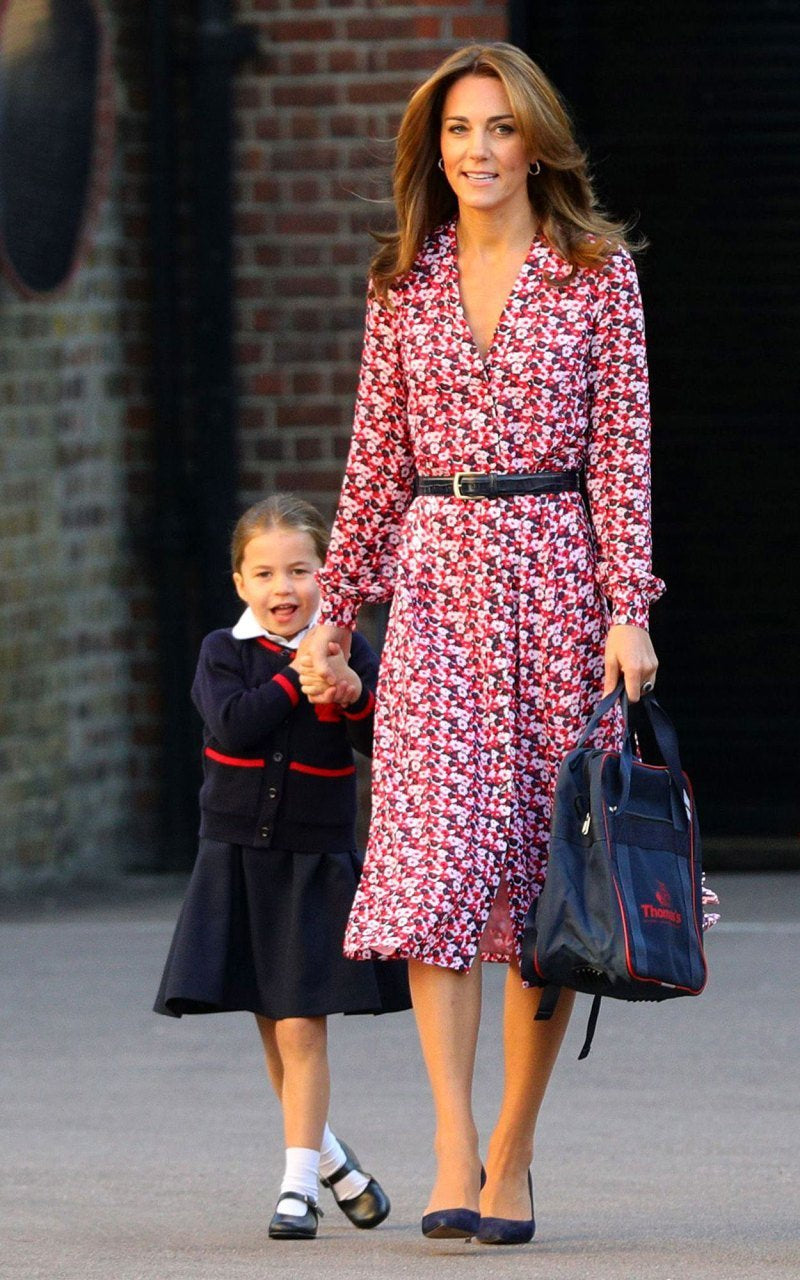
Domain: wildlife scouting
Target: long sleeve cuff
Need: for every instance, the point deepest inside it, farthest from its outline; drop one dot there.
(363, 706)
(630, 607)
(338, 610)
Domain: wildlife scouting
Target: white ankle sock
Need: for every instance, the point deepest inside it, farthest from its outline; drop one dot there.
(331, 1157)
(301, 1175)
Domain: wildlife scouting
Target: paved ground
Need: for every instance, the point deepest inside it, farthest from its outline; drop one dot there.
(138, 1148)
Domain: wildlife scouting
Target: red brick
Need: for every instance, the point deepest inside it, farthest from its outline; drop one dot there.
(346, 60)
(250, 159)
(266, 191)
(308, 449)
(304, 189)
(375, 29)
(479, 28)
(306, 253)
(309, 414)
(249, 352)
(413, 58)
(344, 381)
(304, 156)
(252, 417)
(305, 124)
(263, 384)
(248, 222)
(298, 29)
(318, 94)
(270, 449)
(307, 286)
(309, 382)
(304, 64)
(379, 90)
(265, 320)
(247, 97)
(341, 446)
(310, 480)
(249, 287)
(308, 222)
(268, 255)
(344, 124)
(268, 128)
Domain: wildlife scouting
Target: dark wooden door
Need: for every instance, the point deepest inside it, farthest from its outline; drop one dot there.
(690, 115)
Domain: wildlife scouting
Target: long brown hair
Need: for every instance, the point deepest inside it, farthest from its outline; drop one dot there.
(561, 194)
(280, 511)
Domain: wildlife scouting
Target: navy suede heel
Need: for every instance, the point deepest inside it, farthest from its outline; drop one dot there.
(452, 1224)
(508, 1230)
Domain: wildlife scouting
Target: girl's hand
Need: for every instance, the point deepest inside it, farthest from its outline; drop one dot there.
(313, 655)
(629, 653)
(347, 684)
(348, 681)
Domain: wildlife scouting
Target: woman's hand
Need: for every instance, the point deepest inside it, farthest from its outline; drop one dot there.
(629, 653)
(314, 663)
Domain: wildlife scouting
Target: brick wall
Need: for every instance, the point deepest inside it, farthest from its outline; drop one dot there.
(314, 124)
(79, 713)
(75, 637)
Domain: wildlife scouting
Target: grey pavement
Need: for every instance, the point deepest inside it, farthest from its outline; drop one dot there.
(135, 1147)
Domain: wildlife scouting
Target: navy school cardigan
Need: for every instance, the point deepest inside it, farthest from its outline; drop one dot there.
(279, 772)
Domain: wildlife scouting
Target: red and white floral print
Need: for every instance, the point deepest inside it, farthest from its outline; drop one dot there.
(494, 650)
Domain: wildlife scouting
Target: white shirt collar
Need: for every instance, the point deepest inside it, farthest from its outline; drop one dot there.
(248, 628)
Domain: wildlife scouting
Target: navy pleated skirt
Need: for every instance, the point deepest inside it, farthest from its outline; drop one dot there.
(262, 929)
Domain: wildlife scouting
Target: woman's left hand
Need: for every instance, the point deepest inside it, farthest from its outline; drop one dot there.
(629, 653)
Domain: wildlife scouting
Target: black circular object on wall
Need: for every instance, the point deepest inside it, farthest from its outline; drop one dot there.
(55, 114)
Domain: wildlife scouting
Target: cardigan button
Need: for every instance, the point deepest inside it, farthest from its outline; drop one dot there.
(277, 756)
(272, 793)
(265, 833)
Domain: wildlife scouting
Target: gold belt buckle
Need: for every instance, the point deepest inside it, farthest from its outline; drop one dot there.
(465, 475)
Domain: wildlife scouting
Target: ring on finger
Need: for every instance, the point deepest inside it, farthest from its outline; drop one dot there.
(648, 686)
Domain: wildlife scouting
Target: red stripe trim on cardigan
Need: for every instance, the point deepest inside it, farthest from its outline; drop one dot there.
(267, 644)
(362, 715)
(237, 760)
(288, 687)
(321, 773)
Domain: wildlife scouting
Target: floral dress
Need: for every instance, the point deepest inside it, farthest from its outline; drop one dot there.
(494, 649)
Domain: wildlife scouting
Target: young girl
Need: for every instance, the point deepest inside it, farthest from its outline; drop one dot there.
(262, 925)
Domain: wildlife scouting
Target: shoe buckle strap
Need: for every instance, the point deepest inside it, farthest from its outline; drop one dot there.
(298, 1195)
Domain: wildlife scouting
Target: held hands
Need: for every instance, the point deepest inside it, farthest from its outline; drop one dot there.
(325, 675)
(629, 653)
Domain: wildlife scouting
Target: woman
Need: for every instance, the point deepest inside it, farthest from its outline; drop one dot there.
(504, 339)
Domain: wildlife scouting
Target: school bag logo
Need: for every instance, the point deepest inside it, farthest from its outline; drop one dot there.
(663, 911)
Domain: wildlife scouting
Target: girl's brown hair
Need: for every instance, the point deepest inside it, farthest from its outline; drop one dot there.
(281, 511)
(561, 194)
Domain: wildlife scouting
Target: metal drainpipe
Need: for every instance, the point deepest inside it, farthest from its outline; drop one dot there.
(170, 548)
(219, 45)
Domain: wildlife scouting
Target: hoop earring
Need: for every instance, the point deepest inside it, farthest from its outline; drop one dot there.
(534, 169)
(440, 163)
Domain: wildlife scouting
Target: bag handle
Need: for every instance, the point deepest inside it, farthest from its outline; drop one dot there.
(666, 739)
(602, 709)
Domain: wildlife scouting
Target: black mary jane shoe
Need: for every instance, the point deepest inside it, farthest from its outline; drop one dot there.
(508, 1230)
(452, 1224)
(289, 1226)
(370, 1206)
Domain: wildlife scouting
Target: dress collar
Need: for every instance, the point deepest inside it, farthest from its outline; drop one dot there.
(249, 628)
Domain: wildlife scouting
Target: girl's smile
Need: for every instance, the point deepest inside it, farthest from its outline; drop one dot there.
(276, 579)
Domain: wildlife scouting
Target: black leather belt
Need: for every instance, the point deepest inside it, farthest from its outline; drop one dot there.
(476, 484)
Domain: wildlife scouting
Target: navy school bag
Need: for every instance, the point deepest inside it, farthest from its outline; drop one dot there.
(620, 913)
